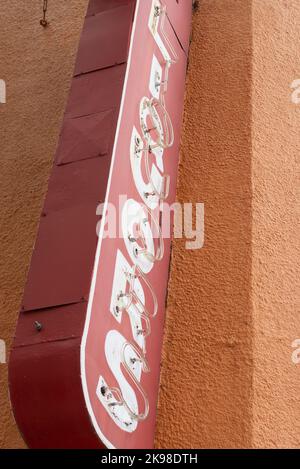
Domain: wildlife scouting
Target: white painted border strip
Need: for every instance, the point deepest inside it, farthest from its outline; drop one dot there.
(99, 432)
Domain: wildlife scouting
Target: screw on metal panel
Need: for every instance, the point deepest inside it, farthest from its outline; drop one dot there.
(156, 12)
(38, 326)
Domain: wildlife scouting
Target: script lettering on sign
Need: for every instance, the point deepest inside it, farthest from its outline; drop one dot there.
(121, 347)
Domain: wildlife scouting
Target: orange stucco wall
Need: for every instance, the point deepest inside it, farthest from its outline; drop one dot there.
(227, 376)
(275, 232)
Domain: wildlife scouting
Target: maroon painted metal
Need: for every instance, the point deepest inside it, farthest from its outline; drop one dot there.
(58, 352)
(85, 137)
(82, 182)
(61, 263)
(47, 398)
(96, 92)
(96, 7)
(109, 30)
(58, 323)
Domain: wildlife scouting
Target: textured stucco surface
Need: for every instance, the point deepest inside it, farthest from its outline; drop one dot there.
(276, 210)
(205, 397)
(227, 376)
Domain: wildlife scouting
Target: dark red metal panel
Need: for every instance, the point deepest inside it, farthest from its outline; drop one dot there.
(62, 261)
(96, 92)
(58, 323)
(47, 398)
(97, 6)
(82, 182)
(104, 40)
(85, 137)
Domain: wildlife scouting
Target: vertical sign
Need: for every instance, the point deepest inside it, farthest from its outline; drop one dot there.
(122, 340)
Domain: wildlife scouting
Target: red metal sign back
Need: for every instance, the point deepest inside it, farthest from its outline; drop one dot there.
(120, 367)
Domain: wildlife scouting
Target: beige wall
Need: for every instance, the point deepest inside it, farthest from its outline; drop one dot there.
(227, 376)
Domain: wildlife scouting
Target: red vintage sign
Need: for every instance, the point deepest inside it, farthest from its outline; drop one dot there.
(85, 363)
(121, 346)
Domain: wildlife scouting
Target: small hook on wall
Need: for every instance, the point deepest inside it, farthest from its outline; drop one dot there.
(43, 21)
